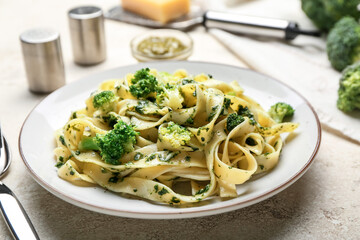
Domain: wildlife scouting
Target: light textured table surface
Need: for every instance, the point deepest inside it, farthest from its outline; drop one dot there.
(323, 204)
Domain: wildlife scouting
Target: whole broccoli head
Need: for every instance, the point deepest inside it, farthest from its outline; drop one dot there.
(143, 83)
(343, 43)
(112, 145)
(175, 134)
(233, 120)
(280, 110)
(105, 101)
(349, 90)
(169, 96)
(325, 13)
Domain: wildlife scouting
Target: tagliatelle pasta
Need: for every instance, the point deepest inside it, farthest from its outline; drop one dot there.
(193, 137)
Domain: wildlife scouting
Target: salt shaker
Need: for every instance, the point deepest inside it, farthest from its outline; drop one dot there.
(87, 35)
(43, 60)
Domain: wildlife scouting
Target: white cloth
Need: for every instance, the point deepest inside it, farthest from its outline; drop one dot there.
(301, 64)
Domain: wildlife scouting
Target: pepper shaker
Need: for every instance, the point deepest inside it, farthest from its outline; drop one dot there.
(87, 35)
(43, 60)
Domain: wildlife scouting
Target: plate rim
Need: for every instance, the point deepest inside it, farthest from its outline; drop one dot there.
(172, 215)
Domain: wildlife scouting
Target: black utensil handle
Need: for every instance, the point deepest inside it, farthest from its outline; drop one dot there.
(250, 25)
(15, 216)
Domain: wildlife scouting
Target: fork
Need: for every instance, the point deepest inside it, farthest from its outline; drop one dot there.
(13, 212)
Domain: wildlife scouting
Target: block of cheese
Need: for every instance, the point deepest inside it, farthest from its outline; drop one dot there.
(159, 10)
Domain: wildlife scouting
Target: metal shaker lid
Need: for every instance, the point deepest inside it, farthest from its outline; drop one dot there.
(85, 12)
(39, 35)
(40, 42)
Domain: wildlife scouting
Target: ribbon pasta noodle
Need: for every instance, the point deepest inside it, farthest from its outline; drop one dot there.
(183, 137)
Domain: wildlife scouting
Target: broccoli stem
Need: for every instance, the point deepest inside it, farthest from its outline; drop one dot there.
(88, 143)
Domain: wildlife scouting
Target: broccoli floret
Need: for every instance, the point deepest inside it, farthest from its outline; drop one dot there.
(169, 96)
(143, 83)
(112, 145)
(233, 120)
(175, 134)
(349, 90)
(325, 13)
(105, 101)
(343, 43)
(280, 110)
(111, 119)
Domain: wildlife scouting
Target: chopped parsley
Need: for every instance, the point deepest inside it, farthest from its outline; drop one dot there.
(59, 164)
(187, 81)
(141, 105)
(203, 190)
(74, 115)
(62, 140)
(233, 120)
(138, 156)
(225, 106)
(245, 112)
(170, 156)
(151, 157)
(114, 179)
(213, 113)
(163, 191)
(190, 120)
(174, 200)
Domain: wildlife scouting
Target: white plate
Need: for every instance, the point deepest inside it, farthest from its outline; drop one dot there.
(36, 144)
